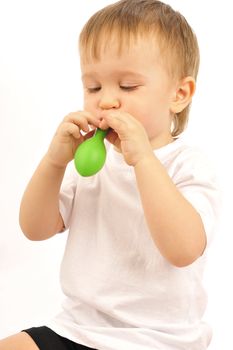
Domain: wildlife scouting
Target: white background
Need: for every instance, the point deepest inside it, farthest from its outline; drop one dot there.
(39, 85)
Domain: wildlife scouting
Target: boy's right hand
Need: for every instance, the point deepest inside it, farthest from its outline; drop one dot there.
(68, 137)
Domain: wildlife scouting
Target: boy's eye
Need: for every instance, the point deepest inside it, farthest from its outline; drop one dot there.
(128, 88)
(94, 89)
(123, 87)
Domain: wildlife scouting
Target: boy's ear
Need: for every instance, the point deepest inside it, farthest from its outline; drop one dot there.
(183, 95)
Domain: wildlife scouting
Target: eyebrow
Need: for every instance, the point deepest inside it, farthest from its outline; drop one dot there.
(123, 73)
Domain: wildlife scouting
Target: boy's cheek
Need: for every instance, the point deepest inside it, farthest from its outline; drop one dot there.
(90, 107)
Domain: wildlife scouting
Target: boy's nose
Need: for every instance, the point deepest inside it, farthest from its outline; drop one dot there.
(109, 102)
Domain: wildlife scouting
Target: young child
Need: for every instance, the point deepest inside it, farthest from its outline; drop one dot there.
(140, 228)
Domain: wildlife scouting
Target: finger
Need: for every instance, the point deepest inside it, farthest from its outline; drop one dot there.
(68, 129)
(82, 119)
(78, 120)
(103, 124)
(119, 122)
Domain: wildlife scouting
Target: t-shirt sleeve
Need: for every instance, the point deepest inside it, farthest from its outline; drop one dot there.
(67, 195)
(197, 181)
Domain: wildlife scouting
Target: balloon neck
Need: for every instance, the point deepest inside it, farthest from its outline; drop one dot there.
(100, 134)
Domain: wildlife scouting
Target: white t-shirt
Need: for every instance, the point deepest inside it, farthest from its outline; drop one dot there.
(121, 293)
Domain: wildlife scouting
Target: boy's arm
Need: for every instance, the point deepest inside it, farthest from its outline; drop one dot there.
(39, 211)
(175, 226)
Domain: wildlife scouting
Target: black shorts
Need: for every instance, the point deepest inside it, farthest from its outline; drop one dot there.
(46, 339)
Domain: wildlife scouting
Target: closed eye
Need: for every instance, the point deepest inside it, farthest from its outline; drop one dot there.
(94, 89)
(122, 87)
(128, 88)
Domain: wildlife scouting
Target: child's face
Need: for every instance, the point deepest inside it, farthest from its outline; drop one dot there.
(135, 82)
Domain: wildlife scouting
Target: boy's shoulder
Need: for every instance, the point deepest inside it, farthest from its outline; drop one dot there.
(183, 159)
(179, 149)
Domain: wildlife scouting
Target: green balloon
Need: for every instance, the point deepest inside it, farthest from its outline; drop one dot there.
(90, 156)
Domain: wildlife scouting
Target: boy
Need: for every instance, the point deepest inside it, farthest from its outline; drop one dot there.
(139, 229)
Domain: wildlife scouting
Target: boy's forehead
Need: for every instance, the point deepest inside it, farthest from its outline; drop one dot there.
(128, 64)
(121, 51)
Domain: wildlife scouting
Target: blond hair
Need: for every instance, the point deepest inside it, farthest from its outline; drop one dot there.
(128, 19)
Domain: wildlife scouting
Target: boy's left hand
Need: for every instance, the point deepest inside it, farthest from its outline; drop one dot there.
(128, 135)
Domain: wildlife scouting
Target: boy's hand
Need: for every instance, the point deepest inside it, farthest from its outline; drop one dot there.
(128, 135)
(69, 136)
